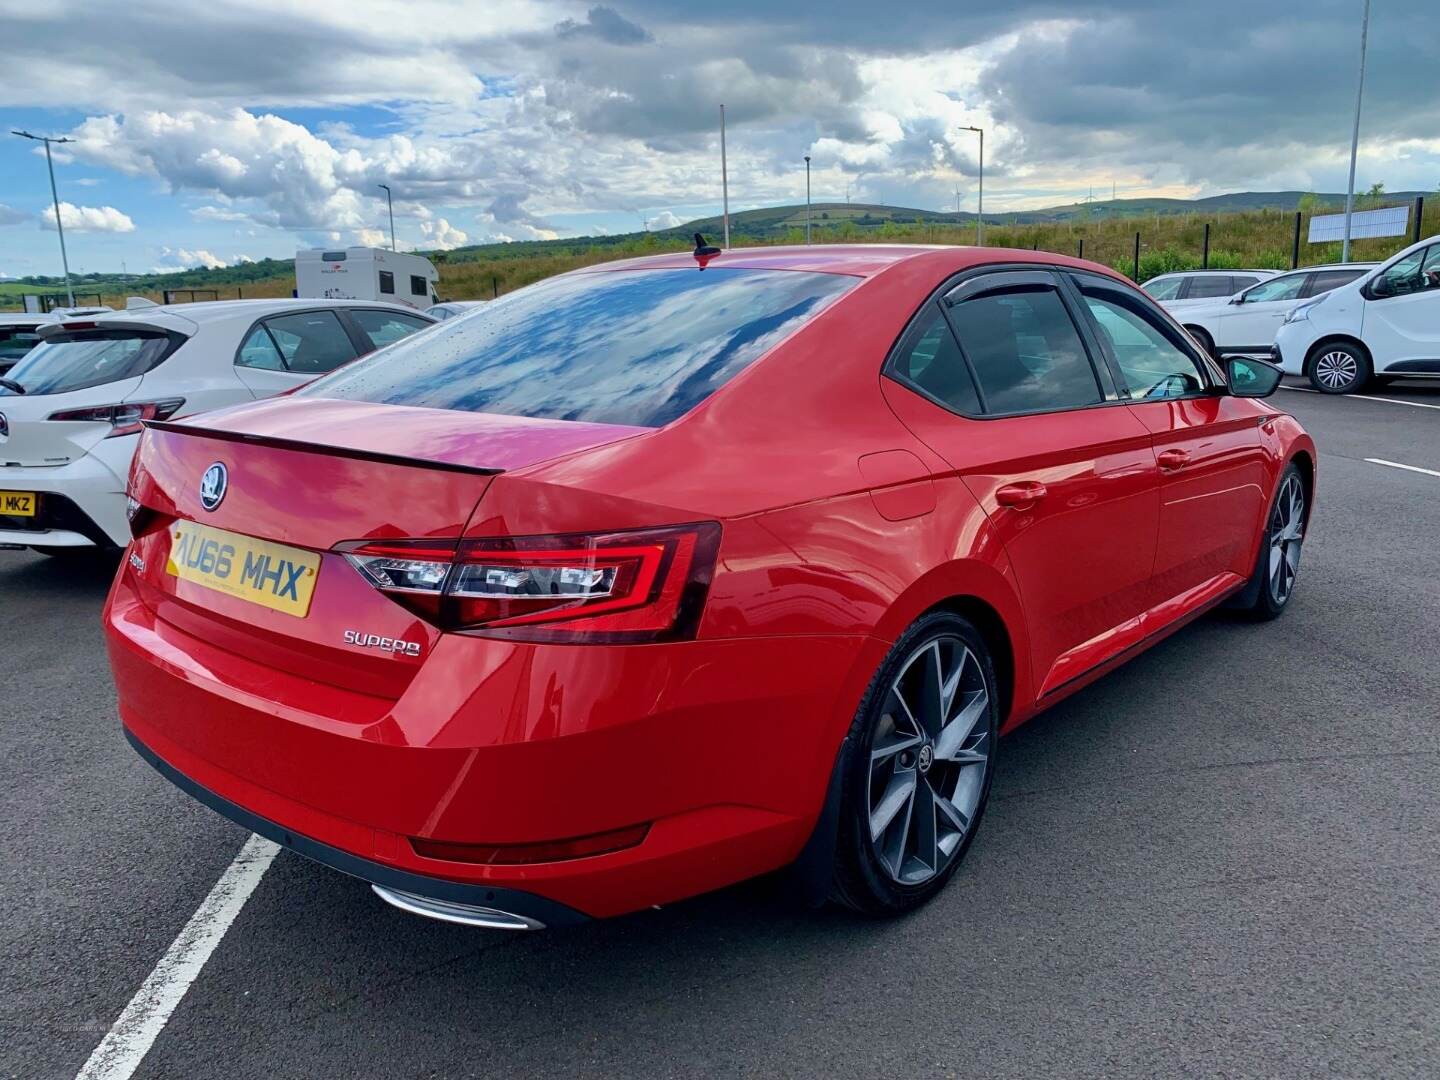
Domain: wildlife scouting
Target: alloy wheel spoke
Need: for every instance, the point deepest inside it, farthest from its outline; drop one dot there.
(898, 743)
(949, 746)
(897, 799)
(923, 826)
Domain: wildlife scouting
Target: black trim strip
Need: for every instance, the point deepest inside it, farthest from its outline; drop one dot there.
(299, 446)
(550, 912)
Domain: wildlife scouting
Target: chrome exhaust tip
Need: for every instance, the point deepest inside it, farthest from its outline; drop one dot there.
(448, 911)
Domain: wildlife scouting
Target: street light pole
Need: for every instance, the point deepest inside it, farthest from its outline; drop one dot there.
(389, 203)
(1355, 133)
(980, 203)
(724, 181)
(55, 198)
(807, 198)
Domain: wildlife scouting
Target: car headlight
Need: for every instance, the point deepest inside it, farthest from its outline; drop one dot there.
(1296, 314)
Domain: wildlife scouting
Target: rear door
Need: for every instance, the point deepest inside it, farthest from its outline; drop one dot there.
(1017, 405)
(1207, 445)
(281, 352)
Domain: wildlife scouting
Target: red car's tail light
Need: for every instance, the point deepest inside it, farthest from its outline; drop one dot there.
(645, 585)
(124, 418)
(579, 847)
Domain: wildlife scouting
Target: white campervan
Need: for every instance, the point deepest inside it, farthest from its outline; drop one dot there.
(362, 273)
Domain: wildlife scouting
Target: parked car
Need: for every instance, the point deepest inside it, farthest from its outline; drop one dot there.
(1246, 323)
(1382, 326)
(20, 332)
(573, 606)
(1189, 288)
(451, 308)
(71, 410)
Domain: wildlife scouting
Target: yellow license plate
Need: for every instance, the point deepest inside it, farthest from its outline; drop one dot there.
(18, 503)
(272, 575)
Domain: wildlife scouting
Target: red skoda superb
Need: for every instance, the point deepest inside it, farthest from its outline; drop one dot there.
(667, 573)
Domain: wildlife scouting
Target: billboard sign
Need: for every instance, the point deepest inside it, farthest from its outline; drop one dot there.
(1391, 221)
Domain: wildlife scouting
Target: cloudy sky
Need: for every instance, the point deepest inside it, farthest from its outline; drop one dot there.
(223, 131)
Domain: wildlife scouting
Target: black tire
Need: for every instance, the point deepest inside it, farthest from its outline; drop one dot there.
(1261, 599)
(862, 879)
(1338, 367)
(1204, 340)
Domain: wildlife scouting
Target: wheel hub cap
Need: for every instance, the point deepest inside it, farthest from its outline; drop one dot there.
(1336, 369)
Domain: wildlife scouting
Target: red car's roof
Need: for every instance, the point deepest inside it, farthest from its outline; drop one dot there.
(863, 260)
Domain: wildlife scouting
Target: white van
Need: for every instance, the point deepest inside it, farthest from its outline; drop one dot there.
(1384, 326)
(362, 273)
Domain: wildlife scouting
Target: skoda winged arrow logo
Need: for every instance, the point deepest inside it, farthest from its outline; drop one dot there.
(213, 485)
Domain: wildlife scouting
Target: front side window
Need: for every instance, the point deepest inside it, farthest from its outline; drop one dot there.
(930, 360)
(1285, 287)
(1208, 286)
(1153, 366)
(387, 327)
(1405, 276)
(1164, 288)
(85, 358)
(638, 347)
(313, 342)
(1025, 351)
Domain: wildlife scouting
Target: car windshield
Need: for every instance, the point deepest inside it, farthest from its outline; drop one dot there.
(637, 347)
(86, 358)
(16, 341)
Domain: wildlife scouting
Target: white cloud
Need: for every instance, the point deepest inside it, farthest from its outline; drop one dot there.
(87, 219)
(185, 259)
(665, 220)
(441, 235)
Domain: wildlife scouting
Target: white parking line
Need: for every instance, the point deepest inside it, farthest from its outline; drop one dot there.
(1367, 397)
(130, 1038)
(1398, 465)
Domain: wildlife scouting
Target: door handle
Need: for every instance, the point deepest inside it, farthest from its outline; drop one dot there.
(1171, 460)
(1020, 495)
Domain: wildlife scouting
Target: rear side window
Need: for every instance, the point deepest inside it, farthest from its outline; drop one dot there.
(1325, 280)
(1164, 288)
(75, 361)
(1242, 281)
(313, 342)
(639, 347)
(259, 351)
(930, 361)
(1025, 351)
(386, 327)
(1211, 285)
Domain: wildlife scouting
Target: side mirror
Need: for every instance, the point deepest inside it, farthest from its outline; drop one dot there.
(1240, 299)
(1248, 377)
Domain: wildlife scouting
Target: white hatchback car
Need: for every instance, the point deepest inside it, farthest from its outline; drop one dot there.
(1383, 326)
(71, 409)
(1193, 288)
(1246, 322)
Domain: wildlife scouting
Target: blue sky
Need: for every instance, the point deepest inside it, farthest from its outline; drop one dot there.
(244, 131)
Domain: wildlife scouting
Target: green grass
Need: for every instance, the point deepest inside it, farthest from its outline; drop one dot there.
(1169, 241)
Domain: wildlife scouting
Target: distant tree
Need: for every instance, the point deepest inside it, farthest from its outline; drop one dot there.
(1373, 198)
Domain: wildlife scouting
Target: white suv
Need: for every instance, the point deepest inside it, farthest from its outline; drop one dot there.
(1385, 325)
(1246, 323)
(71, 409)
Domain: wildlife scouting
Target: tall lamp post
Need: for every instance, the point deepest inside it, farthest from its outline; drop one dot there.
(390, 205)
(55, 198)
(807, 198)
(724, 182)
(1355, 133)
(980, 202)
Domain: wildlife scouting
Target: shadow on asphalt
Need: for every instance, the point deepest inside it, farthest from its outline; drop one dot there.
(70, 576)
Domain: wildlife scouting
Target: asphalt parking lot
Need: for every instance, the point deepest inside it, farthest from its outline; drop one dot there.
(1221, 860)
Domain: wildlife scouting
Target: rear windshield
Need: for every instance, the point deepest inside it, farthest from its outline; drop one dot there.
(638, 347)
(74, 361)
(16, 341)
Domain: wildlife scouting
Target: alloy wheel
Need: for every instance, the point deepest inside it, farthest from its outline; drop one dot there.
(1287, 534)
(928, 760)
(1337, 369)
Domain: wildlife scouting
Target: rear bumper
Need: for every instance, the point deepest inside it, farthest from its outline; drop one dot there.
(81, 504)
(541, 912)
(722, 748)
